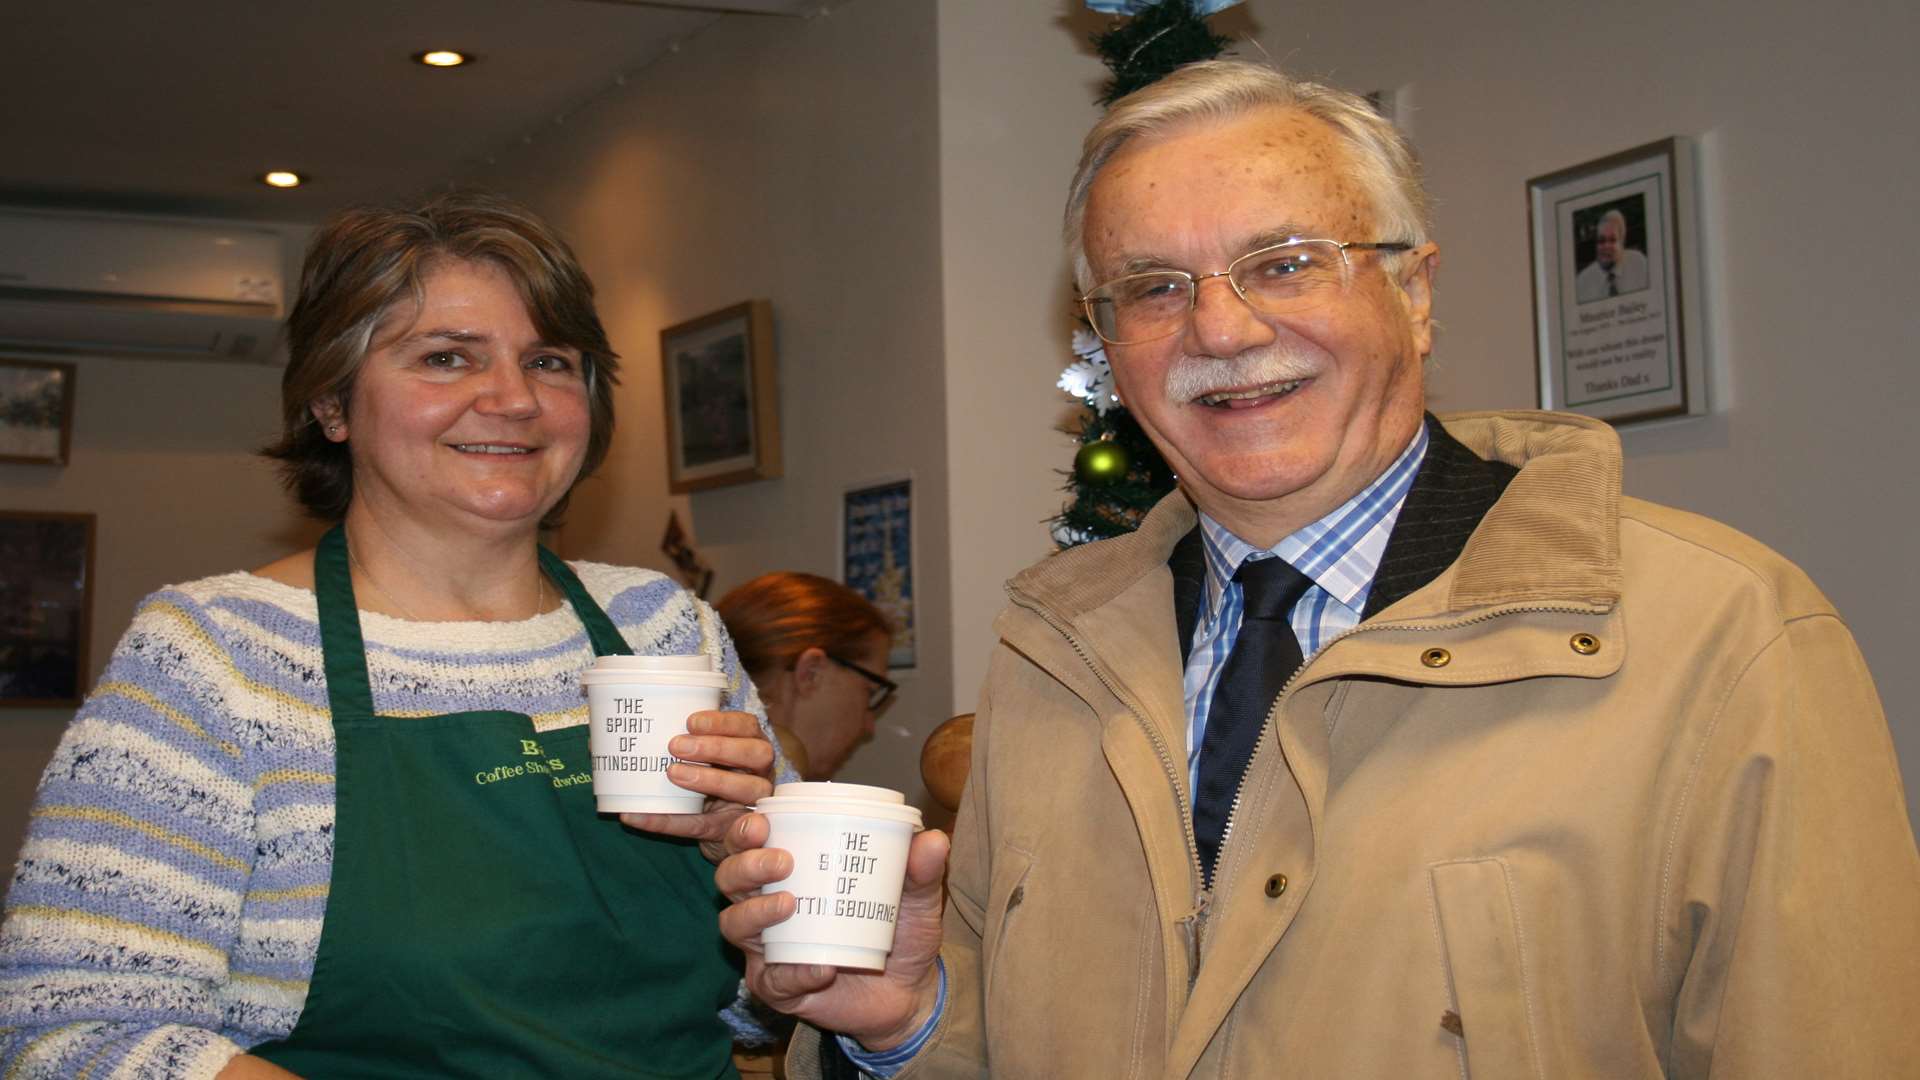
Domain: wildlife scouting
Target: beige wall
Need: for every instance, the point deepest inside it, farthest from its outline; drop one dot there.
(795, 160)
(1806, 206)
(163, 456)
(1016, 91)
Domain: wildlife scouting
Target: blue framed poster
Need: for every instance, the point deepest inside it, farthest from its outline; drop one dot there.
(876, 557)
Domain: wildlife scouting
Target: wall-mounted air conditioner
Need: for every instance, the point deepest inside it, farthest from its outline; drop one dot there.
(135, 286)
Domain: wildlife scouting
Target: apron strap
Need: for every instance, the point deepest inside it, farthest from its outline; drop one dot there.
(349, 690)
(600, 629)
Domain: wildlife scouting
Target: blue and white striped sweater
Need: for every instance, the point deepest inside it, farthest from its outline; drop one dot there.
(166, 908)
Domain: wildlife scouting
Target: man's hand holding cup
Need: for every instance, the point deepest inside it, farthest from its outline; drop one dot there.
(881, 1008)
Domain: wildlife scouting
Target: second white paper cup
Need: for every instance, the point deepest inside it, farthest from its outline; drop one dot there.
(635, 704)
(849, 847)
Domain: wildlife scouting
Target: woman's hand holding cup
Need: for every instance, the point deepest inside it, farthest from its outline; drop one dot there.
(737, 771)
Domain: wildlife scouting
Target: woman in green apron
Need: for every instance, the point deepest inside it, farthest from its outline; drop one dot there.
(333, 817)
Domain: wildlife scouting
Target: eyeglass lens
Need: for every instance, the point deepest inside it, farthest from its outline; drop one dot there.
(881, 687)
(1275, 280)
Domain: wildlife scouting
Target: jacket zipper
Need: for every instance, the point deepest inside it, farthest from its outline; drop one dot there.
(1266, 727)
(1202, 895)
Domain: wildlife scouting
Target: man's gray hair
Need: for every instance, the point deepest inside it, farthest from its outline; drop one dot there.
(1216, 90)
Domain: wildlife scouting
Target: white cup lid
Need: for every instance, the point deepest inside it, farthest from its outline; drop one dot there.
(827, 789)
(651, 664)
(660, 671)
(851, 800)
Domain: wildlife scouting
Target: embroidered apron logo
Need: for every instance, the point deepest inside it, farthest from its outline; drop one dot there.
(555, 769)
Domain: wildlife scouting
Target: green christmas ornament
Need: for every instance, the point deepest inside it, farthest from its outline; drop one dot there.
(1100, 462)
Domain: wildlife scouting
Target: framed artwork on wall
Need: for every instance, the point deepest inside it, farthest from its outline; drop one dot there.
(1616, 286)
(46, 607)
(36, 411)
(876, 557)
(722, 404)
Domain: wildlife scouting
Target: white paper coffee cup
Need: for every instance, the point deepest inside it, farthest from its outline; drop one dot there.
(635, 704)
(849, 847)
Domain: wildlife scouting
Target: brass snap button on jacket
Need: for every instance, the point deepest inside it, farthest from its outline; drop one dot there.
(1584, 644)
(1436, 657)
(1276, 884)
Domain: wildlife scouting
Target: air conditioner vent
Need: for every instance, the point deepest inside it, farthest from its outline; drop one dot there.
(127, 286)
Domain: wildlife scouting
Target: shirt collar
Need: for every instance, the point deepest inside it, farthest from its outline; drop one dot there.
(1340, 552)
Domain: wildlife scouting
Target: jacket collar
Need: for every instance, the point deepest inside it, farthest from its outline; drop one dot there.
(1453, 490)
(1552, 538)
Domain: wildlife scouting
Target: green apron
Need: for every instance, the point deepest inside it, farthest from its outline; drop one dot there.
(482, 919)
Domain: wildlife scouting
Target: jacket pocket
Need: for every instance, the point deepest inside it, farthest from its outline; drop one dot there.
(1005, 894)
(1482, 949)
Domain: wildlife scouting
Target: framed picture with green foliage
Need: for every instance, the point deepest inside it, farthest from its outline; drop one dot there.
(36, 411)
(723, 413)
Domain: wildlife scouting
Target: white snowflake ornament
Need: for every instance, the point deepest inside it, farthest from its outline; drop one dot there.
(1089, 378)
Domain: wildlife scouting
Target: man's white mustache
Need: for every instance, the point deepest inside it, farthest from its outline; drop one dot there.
(1194, 377)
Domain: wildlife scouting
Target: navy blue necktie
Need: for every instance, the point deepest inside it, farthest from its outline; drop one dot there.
(1265, 655)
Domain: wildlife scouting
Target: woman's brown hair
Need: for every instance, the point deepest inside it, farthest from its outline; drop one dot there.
(364, 261)
(776, 617)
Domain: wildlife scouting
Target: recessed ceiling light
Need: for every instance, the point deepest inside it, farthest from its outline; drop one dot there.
(280, 178)
(442, 58)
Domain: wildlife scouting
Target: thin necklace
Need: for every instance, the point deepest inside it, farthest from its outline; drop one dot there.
(539, 596)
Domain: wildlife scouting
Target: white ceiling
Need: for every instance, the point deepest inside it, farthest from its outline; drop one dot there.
(177, 107)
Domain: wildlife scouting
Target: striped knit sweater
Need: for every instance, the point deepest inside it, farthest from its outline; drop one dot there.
(166, 909)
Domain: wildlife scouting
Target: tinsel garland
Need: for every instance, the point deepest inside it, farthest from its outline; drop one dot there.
(1157, 38)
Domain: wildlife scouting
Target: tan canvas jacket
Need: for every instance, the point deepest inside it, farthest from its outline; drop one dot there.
(1611, 797)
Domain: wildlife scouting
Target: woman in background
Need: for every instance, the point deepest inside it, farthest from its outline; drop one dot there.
(817, 651)
(333, 816)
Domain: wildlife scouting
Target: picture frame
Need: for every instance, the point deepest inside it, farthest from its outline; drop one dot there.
(46, 607)
(877, 558)
(1615, 260)
(36, 411)
(722, 398)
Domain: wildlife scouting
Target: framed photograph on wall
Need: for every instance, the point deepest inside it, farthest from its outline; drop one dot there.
(876, 557)
(1615, 285)
(722, 404)
(36, 411)
(46, 607)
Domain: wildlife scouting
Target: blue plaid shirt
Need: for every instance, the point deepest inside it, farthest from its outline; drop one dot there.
(1340, 552)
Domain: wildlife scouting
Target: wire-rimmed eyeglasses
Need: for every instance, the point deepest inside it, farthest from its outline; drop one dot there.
(883, 687)
(1283, 277)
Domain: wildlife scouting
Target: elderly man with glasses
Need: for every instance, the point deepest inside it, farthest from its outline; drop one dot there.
(1388, 746)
